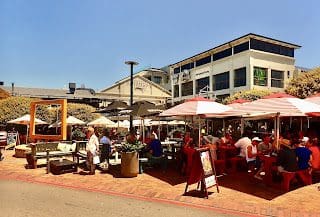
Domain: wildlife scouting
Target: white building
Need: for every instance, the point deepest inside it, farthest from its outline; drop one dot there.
(249, 62)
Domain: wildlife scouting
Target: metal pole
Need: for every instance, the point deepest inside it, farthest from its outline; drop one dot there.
(131, 93)
(131, 63)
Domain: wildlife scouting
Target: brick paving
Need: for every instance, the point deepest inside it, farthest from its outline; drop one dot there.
(169, 188)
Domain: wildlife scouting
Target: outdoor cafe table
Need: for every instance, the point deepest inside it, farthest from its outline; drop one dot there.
(268, 162)
(171, 145)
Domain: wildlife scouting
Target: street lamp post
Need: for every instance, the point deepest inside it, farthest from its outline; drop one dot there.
(131, 63)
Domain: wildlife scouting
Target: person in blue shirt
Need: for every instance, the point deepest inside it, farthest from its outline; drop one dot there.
(105, 149)
(155, 147)
(303, 155)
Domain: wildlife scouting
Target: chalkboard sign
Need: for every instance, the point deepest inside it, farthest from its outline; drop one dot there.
(203, 170)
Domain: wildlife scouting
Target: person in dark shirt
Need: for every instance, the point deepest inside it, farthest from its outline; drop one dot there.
(303, 155)
(155, 147)
(286, 159)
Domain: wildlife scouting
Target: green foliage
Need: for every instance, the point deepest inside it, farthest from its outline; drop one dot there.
(78, 134)
(131, 147)
(14, 107)
(305, 84)
(82, 111)
(250, 95)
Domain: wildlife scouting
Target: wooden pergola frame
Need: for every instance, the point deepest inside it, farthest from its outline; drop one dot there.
(63, 108)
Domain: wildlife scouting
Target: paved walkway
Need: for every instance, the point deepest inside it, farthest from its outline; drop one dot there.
(301, 202)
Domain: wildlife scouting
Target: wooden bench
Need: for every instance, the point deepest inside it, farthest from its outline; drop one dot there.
(47, 150)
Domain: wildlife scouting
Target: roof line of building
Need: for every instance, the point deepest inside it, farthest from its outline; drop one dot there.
(135, 75)
(241, 37)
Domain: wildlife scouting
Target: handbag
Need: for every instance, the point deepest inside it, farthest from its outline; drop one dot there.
(96, 159)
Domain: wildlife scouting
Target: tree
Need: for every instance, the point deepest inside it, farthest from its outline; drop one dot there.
(250, 95)
(14, 107)
(305, 84)
(82, 111)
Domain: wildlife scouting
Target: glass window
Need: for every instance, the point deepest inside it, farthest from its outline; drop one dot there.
(221, 81)
(260, 76)
(222, 54)
(201, 83)
(271, 48)
(240, 77)
(157, 79)
(176, 70)
(203, 61)
(176, 90)
(277, 78)
(241, 47)
(187, 88)
(187, 66)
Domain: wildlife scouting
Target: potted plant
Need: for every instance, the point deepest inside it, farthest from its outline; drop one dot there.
(78, 135)
(130, 157)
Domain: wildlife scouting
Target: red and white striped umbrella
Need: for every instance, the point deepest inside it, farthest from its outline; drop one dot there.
(196, 106)
(284, 106)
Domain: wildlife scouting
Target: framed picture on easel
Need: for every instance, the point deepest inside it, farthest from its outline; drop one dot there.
(203, 171)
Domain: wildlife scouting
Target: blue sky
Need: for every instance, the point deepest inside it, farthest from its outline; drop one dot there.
(48, 43)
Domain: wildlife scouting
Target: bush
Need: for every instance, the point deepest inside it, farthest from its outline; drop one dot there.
(305, 84)
(250, 95)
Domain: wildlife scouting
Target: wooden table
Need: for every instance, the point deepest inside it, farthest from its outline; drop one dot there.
(61, 166)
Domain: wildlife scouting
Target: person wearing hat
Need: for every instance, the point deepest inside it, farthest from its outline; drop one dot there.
(303, 154)
(92, 149)
(286, 158)
(252, 152)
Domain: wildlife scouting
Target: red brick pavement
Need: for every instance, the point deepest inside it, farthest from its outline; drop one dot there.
(301, 202)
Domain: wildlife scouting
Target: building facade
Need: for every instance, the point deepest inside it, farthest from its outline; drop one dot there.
(249, 62)
(148, 85)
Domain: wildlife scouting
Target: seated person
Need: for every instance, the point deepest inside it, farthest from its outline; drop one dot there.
(286, 158)
(227, 139)
(155, 154)
(251, 155)
(242, 143)
(315, 153)
(155, 148)
(265, 146)
(303, 154)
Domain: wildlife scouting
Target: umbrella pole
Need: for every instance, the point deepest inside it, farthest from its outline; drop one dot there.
(159, 130)
(27, 134)
(199, 144)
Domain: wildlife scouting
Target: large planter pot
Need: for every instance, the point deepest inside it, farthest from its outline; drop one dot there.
(129, 164)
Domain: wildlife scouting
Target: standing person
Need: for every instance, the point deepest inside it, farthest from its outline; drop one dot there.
(92, 150)
(315, 153)
(105, 149)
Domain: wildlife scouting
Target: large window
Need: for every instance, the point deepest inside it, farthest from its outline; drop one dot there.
(221, 81)
(240, 77)
(260, 76)
(241, 47)
(176, 70)
(187, 88)
(157, 79)
(222, 54)
(271, 48)
(176, 90)
(187, 66)
(277, 78)
(201, 83)
(203, 61)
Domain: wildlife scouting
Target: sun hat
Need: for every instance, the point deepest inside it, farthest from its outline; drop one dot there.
(305, 139)
(256, 139)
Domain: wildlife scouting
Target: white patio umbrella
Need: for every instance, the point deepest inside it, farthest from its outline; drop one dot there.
(196, 107)
(70, 121)
(25, 120)
(102, 122)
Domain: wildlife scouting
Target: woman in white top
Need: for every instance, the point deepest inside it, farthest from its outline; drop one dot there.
(92, 150)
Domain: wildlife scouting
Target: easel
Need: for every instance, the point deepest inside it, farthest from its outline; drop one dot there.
(203, 171)
(12, 140)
